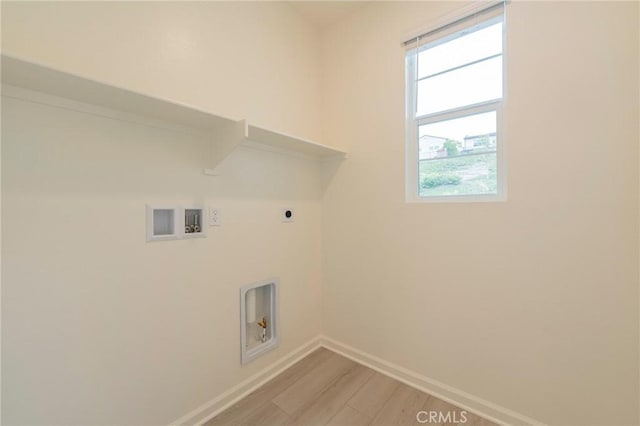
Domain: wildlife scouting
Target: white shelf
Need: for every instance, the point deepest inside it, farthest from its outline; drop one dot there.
(292, 143)
(226, 133)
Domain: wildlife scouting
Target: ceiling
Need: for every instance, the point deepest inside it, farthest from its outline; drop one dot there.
(324, 13)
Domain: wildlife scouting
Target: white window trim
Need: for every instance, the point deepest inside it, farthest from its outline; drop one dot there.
(412, 164)
(455, 15)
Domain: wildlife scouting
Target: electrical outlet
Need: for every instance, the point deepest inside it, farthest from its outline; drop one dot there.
(287, 215)
(214, 217)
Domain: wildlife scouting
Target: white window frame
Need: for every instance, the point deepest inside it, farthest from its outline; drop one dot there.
(412, 163)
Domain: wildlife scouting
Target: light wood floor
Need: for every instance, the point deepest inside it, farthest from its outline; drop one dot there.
(325, 388)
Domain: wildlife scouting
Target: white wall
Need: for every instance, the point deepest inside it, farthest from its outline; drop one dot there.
(100, 327)
(541, 317)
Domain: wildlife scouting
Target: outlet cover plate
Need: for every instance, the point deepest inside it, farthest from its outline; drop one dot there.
(214, 217)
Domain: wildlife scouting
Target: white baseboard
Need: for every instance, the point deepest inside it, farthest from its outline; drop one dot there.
(457, 397)
(223, 401)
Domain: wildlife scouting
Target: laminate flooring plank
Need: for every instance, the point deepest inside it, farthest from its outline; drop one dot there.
(309, 386)
(475, 420)
(349, 417)
(326, 388)
(326, 405)
(440, 413)
(245, 407)
(372, 396)
(268, 414)
(401, 408)
(450, 415)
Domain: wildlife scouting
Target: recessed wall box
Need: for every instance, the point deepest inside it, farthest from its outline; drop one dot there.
(258, 319)
(162, 223)
(194, 222)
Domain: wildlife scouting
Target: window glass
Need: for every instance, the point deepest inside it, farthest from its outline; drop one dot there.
(472, 84)
(460, 51)
(458, 156)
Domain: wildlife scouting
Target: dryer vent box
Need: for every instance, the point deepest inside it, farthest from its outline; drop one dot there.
(162, 223)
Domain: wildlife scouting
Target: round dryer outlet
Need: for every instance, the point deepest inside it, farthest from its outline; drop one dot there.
(287, 215)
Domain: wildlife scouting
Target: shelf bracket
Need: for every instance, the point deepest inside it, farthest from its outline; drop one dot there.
(226, 140)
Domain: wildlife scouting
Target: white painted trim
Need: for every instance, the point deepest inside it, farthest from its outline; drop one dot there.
(270, 148)
(42, 84)
(258, 146)
(451, 17)
(412, 123)
(276, 150)
(41, 98)
(228, 138)
(215, 406)
(462, 399)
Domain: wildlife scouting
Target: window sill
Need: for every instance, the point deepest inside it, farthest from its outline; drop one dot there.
(489, 198)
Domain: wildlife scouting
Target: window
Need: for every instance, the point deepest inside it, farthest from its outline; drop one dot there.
(454, 113)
